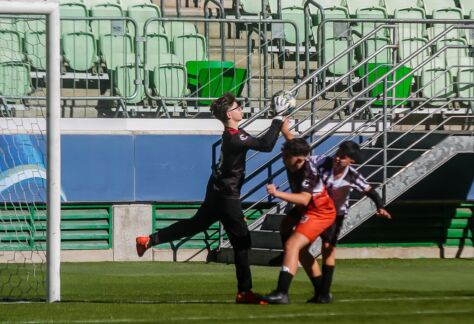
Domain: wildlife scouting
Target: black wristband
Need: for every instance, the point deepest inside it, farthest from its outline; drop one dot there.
(372, 194)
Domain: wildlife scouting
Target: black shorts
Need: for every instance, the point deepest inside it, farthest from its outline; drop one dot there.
(332, 232)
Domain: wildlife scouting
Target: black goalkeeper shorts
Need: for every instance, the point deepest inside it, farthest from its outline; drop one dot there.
(331, 234)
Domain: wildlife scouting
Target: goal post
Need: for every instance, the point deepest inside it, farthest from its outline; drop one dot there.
(50, 9)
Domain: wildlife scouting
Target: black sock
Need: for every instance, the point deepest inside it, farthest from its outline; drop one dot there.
(316, 281)
(153, 239)
(326, 281)
(284, 282)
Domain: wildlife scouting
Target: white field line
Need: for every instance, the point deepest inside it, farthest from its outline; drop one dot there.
(258, 317)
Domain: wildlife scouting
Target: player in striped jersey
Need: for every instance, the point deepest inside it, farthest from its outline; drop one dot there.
(340, 178)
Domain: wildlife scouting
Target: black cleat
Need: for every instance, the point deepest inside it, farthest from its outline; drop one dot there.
(324, 299)
(276, 297)
(313, 299)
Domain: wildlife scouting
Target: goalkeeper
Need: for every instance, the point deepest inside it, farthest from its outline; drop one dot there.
(222, 200)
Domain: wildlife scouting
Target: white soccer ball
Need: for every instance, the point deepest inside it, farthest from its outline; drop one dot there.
(289, 98)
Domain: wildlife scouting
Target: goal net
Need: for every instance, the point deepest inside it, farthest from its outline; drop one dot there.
(29, 151)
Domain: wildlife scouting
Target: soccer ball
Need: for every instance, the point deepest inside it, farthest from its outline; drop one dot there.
(289, 98)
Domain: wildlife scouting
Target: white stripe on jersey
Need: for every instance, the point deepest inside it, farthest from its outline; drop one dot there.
(340, 189)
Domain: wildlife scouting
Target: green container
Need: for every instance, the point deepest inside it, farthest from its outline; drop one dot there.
(214, 78)
(374, 71)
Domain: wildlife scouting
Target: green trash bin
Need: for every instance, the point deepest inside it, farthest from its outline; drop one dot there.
(374, 71)
(214, 78)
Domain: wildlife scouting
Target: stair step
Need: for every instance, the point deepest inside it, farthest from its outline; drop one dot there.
(266, 239)
(256, 256)
(404, 140)
(375, 156)
(272, 222)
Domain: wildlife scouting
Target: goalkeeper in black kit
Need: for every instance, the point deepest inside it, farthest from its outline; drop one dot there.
(222, 200)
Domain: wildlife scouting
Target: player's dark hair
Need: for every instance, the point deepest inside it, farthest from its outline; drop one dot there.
(296, 147)
(350, 149)
(221, 105)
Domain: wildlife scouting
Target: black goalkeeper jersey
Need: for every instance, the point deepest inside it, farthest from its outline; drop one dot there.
(228, 176)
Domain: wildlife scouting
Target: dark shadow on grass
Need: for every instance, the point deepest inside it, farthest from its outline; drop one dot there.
(147, 302)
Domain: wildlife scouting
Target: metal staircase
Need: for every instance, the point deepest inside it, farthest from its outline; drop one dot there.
(398, 154)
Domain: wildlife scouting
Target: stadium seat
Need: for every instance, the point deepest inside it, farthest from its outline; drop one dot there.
(79, 50)
(392, 6)
(116, 50)
(73, 9)
(354, 5)
(370, 13)
(8, 24)
(296, 15)
(214, 78)
(273, 5)
(105, 27)
(169, 78)
(91, 3)
(373, 71)
(432, 5)
(141, 13)
(465, 80)
(35, 49)
(448, 13)
(407, 30)
(409, 46)
(15, 79)
(124, 83)
(436, 81)
(190, 47)
(11, 49)
(335, 43)
(251, 7)
(454, 56)
(27, 24)
(157, 44)
(372, 45)
(178, 28)
(127, 3)
(466, 6)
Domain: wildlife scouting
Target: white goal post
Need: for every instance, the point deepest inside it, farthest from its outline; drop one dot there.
(51, 10)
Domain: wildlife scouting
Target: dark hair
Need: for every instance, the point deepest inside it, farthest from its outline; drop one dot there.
(350, 149)
(221, 105)
(296, 147)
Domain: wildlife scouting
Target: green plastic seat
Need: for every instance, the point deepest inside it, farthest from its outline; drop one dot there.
(370, 13)
(437, 81)
(393, 6)
(8, 24)
(214, 78)
(467, 6)
(372, 45)
(296, 15)
(104, 27)
(465, 79)
(127, 3)
(79, 50)
(354, 5)
(116, 50)
(335, 43)
(169, 78)
(15, 79)
(431, 5)
(178, 28)
(91, 3)
(408, 47)
(157, 44)
(446, 13)
(35, 49)
(190, 47)
(407, 30)
(141, 13)
(75, 9)
(11, 49)
(376, 70)
(124, 83)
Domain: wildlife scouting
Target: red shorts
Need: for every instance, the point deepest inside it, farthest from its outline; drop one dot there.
(319, 215)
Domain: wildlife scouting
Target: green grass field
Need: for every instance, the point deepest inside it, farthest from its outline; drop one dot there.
(371, 291)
